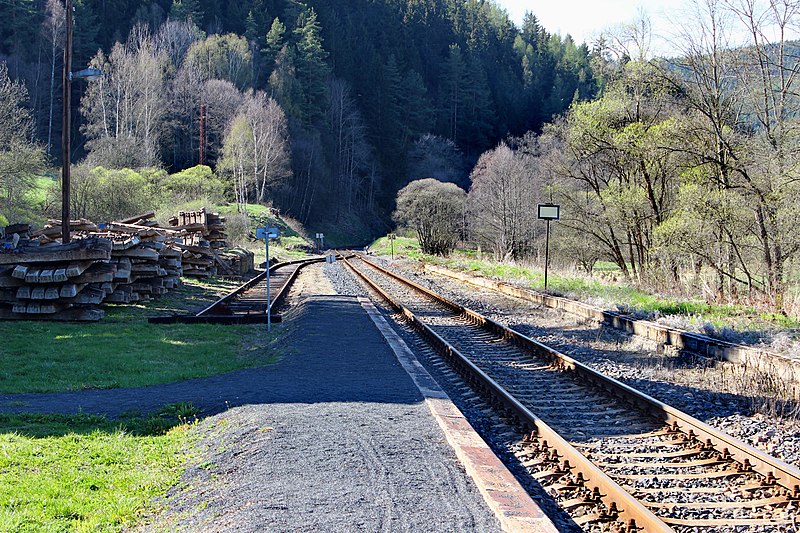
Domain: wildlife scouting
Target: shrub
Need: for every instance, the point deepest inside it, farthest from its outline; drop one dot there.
(195, 183)
(435, 211)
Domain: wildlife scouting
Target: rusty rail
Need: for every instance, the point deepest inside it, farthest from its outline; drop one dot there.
(773, 470)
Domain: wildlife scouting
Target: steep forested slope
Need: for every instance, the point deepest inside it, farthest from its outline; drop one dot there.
(393, 71)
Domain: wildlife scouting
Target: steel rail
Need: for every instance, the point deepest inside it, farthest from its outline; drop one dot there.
(255, 281)
(771, 468)
(212, 315)
(616, 499)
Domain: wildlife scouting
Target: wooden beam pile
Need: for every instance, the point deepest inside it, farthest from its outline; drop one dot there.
(203, 235)
(147, 266)
(125, 261)
(54, 281)
(238, 260)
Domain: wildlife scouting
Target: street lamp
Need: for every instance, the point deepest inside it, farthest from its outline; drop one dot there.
(88, 74)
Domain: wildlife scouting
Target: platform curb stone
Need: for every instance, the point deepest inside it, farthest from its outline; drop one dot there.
(513, 506)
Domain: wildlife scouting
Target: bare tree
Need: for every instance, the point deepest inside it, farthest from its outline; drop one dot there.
(270, 142)
(256, 151)
(125, 109)
(237, 159)
(53, 28)
(351, 151)
(20, 160)
(744, 141)
(222, 102)
(174, 38)
(502, 202)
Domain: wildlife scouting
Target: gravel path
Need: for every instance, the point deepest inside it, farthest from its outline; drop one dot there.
(343, 444)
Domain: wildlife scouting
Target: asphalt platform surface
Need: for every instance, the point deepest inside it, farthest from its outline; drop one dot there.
(333, 437)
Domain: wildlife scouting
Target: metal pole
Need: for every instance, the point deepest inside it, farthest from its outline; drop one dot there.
(65, 129)
(546, 253)
(392, 241)
(269, 302)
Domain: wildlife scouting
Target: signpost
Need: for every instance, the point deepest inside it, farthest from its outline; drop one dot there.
(391, 238)
(320, 237)
(548, 212)
(267, 233)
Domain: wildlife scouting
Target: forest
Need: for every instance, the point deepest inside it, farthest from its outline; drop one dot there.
(439, 115)
(322, 108)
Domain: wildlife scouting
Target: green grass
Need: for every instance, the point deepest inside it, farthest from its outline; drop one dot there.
(87, 473)
(610, 295)
(403, 246)
(38, 195)
(123, 350)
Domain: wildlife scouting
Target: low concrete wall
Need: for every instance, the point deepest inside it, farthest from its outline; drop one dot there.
(785, 367)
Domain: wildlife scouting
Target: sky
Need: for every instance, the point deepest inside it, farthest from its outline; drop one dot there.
(583, 19)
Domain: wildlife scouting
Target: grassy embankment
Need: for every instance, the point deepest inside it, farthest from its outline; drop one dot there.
(89, 473)
(123, 350)
(595, 291)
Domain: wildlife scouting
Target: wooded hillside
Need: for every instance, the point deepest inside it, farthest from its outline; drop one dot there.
(375, 93)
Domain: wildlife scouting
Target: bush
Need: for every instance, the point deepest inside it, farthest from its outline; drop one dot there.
(435, 211)
(195, 183)
(102, 194)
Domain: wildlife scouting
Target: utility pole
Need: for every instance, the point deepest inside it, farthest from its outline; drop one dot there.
(65, 128)
(202, 134)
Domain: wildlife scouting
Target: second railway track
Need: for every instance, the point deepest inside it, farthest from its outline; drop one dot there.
(614, 458)
(247, 304)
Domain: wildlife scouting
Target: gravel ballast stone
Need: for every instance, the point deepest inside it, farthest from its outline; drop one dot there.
(345, 443)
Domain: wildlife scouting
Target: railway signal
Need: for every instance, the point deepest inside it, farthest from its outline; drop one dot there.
(320, 237)
(267, 233)
(548, 212)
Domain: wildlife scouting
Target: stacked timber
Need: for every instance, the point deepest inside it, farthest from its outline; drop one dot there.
(203, 235)
(54, 281)
(238, 261)
(147, 266)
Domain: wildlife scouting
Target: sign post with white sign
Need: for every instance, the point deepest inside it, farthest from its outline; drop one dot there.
(548, 212)
(267, 233)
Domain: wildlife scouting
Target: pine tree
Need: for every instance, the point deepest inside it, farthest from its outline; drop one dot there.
(454, 84)
(183, 9)
(312, 67)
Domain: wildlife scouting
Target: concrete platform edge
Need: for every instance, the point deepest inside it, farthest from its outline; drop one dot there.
(513, 506)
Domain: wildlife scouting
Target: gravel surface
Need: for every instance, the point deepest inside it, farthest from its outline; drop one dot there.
(624, 357)
(501, 437)
(352, 448)
(726, 396)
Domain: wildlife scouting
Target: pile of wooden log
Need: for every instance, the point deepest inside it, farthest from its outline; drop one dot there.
(54, 281)
(203, 235)
(125, 261)
(238, 260)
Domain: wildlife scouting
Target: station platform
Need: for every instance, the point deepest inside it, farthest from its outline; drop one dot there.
(334, 436)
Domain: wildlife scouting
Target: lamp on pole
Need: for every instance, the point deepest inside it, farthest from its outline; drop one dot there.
(66, 123)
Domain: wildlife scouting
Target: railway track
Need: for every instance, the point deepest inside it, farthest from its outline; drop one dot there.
(247, 304)
(613, 457)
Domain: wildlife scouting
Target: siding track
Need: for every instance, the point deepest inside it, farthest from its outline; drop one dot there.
(247, 304)
(613, 457)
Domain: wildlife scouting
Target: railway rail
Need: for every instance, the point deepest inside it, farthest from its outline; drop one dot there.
(247, 304)
(612, 456)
